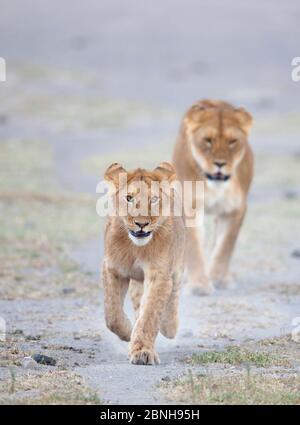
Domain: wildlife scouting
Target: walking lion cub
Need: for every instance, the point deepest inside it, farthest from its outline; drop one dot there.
(145, 253)
(213, 147)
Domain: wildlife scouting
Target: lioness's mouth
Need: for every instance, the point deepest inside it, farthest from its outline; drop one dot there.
(217, 177)
(139, 233)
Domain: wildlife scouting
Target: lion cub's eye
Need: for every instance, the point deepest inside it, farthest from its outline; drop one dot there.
(232, 142)
(154, 199)
(129, 198)
(208, 141)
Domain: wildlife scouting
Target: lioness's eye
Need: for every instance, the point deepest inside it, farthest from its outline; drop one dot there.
(154, 199)
(208, 141)
(232, 142)
(129, 198)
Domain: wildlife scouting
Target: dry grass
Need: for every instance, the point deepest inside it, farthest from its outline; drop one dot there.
(39, 225)
(51, 387)
(242, 388)
(259, 372)
(69, 111)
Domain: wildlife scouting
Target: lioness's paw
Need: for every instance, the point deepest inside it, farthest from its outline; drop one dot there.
(224, 283)
(144, 356)
(200, 288)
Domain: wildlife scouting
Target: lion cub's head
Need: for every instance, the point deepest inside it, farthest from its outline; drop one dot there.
(218, 134)
(139, 196)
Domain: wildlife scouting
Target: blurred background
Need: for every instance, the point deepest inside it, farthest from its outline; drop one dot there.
(94, 82)
(112, 78)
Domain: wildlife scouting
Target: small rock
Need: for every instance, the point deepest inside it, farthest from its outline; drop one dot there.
(3, 119)
(18, 332)
(68, 290)
(28, 363)
(296, 253)
(290, 194)
(166, 379)
(33, 337)
(46, 360)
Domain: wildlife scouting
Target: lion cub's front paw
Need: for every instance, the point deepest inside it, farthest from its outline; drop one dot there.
(144, 356)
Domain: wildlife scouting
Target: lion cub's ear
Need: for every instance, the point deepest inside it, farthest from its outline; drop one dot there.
(166, 171)
(112, 173)
(245, 119)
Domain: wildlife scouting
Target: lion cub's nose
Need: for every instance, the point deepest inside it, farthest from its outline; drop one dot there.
(141, 224)
(220, 164)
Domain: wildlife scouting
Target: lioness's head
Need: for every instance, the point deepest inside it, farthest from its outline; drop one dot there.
(138, 195)
(217, 135)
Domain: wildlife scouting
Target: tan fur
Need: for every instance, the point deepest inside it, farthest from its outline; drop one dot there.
(154, 271)
(215, 131)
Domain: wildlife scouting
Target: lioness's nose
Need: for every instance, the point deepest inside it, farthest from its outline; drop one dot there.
(220, 164)
(141, 224)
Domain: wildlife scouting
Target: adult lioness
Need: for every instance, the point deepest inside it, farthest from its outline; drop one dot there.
(146, 250)
(213, 147)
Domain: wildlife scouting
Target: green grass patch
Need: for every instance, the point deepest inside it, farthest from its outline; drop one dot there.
(234, 355)
(276, 171)
(26, 165)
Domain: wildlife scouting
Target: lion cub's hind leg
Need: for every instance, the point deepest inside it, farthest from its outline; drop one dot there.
(169, 321)
(136, 290)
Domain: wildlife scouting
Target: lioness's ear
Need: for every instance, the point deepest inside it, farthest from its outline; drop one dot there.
(245, 119)
(166, 171)
(112, 173)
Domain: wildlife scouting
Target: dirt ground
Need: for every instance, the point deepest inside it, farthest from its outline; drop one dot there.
(73, 103)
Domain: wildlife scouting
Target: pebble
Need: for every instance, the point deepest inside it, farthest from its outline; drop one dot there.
(46, 360)
(68, 290)
(18, 332)
(28, 363)
(3, 119)
(296, 253)
(291, 194)
(33, 337)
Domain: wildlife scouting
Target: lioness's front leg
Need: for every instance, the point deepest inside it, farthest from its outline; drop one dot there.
(115, 288)
(228, 227)
(158, 288)
(198, 282)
